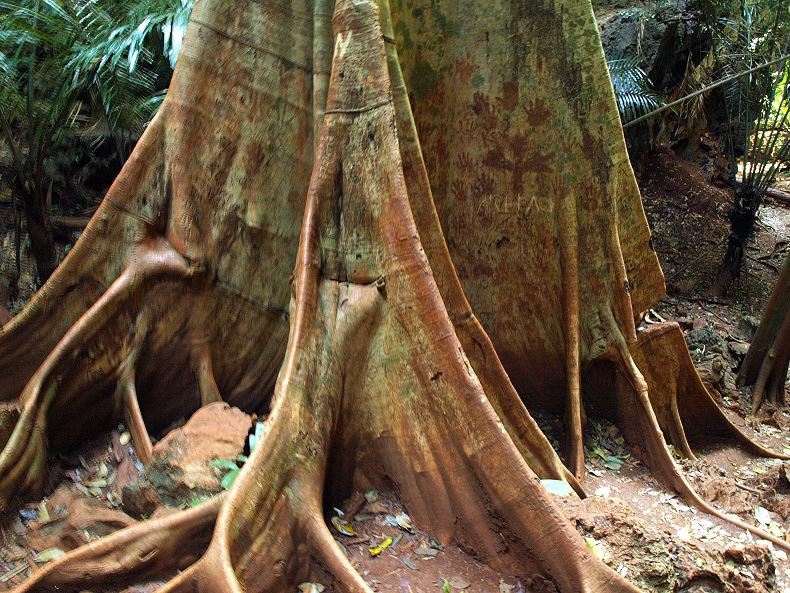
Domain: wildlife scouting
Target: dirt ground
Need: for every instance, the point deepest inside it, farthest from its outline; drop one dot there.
(637, 526)
(686, 205)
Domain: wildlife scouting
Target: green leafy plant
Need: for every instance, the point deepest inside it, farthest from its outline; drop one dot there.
(230, 468)
(77, 70)
(748, 60)
(757, 107)
(632, 88)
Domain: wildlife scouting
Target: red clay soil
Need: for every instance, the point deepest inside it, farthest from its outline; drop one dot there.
(655, 540)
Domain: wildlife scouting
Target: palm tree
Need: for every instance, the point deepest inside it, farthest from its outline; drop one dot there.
(757, 117)
(77, 68)
(633, 90)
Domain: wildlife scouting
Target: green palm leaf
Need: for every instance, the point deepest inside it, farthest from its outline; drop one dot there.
(632, 88)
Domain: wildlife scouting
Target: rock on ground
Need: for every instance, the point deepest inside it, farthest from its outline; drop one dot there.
(181, 468)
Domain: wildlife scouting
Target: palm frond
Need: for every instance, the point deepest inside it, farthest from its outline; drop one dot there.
(632, 88)
(76, 71)
(59, 50)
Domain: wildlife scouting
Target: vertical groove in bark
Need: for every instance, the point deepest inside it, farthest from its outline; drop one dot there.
(569, 257)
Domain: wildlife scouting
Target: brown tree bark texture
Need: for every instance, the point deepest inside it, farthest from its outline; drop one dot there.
(766, 362)
(176, 295)
(530, 175)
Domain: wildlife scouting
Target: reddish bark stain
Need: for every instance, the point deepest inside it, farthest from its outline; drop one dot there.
(510, 95)
(537, 112)
(253, 156)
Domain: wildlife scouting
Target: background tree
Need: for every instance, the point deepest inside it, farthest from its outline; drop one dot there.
(766, 362)
(757, 108)
(76, 75)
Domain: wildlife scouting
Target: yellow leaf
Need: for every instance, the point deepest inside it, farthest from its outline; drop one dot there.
(344, 526)
(383, 545)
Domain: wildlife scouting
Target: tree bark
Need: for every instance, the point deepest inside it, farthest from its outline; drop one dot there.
(766, 361)
(178, 290)
(530, 176)
(42, 241)
(498, 119)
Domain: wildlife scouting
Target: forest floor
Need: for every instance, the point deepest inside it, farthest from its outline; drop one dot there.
(635, 524)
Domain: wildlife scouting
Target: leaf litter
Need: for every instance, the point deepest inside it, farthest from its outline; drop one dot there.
(399, 550)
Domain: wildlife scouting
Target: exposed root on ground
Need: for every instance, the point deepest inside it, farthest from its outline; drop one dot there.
(144, 550)
(23, 459)
(647, 411)
(684, 407)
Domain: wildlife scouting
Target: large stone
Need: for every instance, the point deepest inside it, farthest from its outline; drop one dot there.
(641, 31)
(181, 471)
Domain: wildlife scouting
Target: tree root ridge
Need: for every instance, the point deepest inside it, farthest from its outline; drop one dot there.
(146, 549)
(766, 363)
(574, 412)
(648, 405)
(683, 405)
(770, 383)
(23, 459)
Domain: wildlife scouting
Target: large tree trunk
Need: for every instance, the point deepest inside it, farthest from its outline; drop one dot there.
(529, 171)
(176, 294)
(532, 181)
(766, 362)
